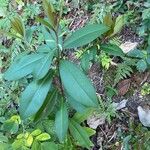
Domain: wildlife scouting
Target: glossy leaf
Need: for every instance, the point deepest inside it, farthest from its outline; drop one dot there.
(23, 66)
(79, 86)
(34, 95)
(29, 140)
(47, 106)
(79, 134)
(42, 68)
(36, 132)
(85, 35)
(112, 49)
(61, 122)
(50, 38)
(43, 49)
(43, 137)
(76, 105)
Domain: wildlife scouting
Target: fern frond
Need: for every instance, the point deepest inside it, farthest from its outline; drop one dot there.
(115, 41)
(123, 71)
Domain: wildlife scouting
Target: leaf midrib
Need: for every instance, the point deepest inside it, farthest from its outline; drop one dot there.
(31, 62)
(79, 133)
(43, 65)
(78, 38)
(42, 83)
(81, 86)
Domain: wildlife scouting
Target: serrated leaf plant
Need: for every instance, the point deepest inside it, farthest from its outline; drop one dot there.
(55, 81)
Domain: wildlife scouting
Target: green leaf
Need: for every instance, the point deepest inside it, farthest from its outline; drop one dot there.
(18, 25)
(43, 137)
(36, 132)
(44, 22)
(148, 60)
(80, 117)
(112, 49)
(87, 57)
(89, 131)
(141, 65)
(76, 105)
(136, 53)
(149, 40)
(79, 134)
(47, 106)
(49, 11)
(29, 34)
(23, 66)
(108, 20)
(3, 138)
(120, 22)
(34, 95)
(5, 146)
(42, 68)
(85, 35)
(61, 122)
(10, 126)
(29, 140)
(51, 39)
(36, 145)
(79, 86)
(49, 146)
(43, 49)
(9, 34)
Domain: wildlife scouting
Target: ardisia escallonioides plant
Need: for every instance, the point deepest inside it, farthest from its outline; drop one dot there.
(42, 97)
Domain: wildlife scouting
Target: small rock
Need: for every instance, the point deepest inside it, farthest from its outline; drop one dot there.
(144, 115)
(120, 105)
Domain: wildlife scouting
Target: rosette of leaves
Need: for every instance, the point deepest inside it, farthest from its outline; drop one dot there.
(42, 97)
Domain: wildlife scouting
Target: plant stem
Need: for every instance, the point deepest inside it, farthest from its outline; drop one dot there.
(58, 63)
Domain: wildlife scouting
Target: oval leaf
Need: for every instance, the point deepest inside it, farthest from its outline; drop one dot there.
(79, 134)
(112, 49)
(79, 86)
(23, 66)
(47, 106)
(85, 35)
(42, 68)
(76, 105)
(43, 137)
(33, 96)
(61, 122)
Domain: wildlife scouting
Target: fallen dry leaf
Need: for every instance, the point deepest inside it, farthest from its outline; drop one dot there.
(128, 46)
(94, 121)
(123, 86)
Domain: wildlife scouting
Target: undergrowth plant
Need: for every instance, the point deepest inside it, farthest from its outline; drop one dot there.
(55, 83)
